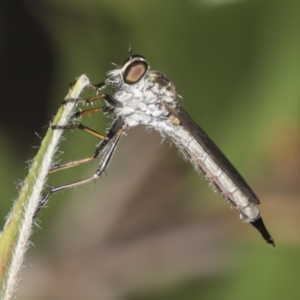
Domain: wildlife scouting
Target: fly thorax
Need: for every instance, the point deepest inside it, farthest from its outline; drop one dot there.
(140, 106)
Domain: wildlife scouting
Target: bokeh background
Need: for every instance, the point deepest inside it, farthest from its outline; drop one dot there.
(151, 228)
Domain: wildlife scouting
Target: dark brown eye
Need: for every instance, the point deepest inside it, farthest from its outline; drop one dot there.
(134, 71)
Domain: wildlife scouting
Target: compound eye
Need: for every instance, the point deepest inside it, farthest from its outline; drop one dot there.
(134, 72)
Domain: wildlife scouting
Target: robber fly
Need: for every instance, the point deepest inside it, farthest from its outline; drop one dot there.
(147, 97)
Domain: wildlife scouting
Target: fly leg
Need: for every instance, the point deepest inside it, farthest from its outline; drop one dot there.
(57, 167)
(109, 99)
(105, 149)
(61, 166)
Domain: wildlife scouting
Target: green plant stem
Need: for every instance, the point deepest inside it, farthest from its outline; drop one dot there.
(15, 235)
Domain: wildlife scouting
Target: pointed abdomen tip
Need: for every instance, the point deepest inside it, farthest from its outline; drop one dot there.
(260, 226)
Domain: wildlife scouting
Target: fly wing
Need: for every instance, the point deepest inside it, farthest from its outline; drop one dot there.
(213, 151)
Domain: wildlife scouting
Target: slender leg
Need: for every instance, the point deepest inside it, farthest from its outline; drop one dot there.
(81, 113)
(70, 164)
(109, 99)
(81, 127)
(112, 101)
(99, 150)
(62, 166)
(106, 148)
(98, 86)
(58, 167)
(105, 109)
(83, 101)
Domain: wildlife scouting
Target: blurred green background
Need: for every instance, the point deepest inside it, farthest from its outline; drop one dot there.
(151, 228)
